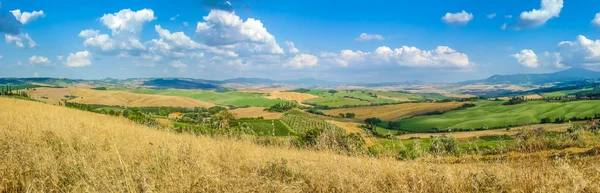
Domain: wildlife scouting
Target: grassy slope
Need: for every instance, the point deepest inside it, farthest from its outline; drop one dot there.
(495, 114)
(337, 99)
(221, 98)
(563, 93)
(395, 112)
(268, 127)
(47, 148)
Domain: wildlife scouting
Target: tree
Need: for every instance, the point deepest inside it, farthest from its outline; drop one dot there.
(350, 115)
(372, 122)
(342, 115)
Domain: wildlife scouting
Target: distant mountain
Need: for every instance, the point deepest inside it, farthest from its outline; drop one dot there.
(163, 83)
(310, 82)
(250, 81)
(571, 74)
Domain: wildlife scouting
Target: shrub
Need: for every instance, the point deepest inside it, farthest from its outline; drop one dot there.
(444, 145)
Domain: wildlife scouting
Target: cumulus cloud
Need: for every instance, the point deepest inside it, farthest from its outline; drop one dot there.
(123, 46)
(127, 20)
(20, 40)
(173, 44)
(302, 61)
(39, 60)
(441, 57)
(491, 16)
(9, 24)
(59, 58)
(538, 17)
(581, 52)
(178, 64)
(527, 58)
(291, 47)
(368, 37)
(222, 28)
(79, 59)
(596, 20)
(26, 17)
(460, 18)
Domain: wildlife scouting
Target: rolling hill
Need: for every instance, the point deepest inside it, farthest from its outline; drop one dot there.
(571, 74)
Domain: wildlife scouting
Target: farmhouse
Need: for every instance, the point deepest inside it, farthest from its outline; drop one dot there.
(176, 115)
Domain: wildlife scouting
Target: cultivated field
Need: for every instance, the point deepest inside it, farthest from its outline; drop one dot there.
(494, 114)
(252, 112)
(395, 112)
(120, 98)
(239, 99)
(472, 134)
(290, 96)
(47, 148)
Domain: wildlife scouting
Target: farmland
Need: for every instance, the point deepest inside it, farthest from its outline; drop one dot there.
(267, 127)
(494, 114)
(397, 111)
(301, 123)
(238, 99)
(252, 112)
(46, 149)
(115, 98)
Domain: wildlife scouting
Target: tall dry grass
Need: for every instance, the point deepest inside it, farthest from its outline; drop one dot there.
(45, 148)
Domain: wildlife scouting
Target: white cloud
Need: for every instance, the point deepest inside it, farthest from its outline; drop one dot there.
(367, 37)
(460, 18)
(36, 75)
(79, 59)
(581, 52)
(291, 47)
(490, 16)
(59, 58)
(20, 40)
(503, 27)
(535, 17)
(596, 20)
(441, 57)
(174, 44)
(302, 61)
(554, 59)
(527, 58)
(508, 16)
(174, 17)
(178, 64)
(26, 17)
(39, 60)
(222, 28)
(123, 46)
(185, 23)
(127, 20)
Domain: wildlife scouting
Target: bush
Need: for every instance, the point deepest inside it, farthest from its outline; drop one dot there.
(444, 146)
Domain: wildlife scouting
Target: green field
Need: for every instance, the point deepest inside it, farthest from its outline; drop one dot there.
(494, 114)
(301, 123)
(564, 92)
(268, 127)
(410, 96)
(346, 98)
(237, 99)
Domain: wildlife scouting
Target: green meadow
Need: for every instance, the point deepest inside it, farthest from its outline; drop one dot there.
(494, 114)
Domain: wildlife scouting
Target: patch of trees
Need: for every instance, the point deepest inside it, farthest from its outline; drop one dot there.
(300, 90)
(282, 107)
(100, 88)
(315, 111)
(372, 122)
(515, 100)
(10, 90)
(347, 115)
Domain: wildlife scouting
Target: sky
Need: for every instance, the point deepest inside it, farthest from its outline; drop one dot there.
(349, 41)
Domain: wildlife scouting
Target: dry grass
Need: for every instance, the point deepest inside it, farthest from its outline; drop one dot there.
(251, 112)
(395, 112)
(533, 97)
(291, 96)
(471, 134)
(89, 96)
(47, 148)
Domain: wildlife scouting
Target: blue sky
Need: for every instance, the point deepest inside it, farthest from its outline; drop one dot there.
(429, 40)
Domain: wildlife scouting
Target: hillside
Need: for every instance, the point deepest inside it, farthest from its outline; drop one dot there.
(571, 74)
(47, 148)
(120, 98)
(395, 112)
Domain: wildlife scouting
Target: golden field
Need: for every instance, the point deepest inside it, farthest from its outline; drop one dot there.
(395, 112)
(291, 96)
(47, 148)
(120, 98)
(252, 112)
